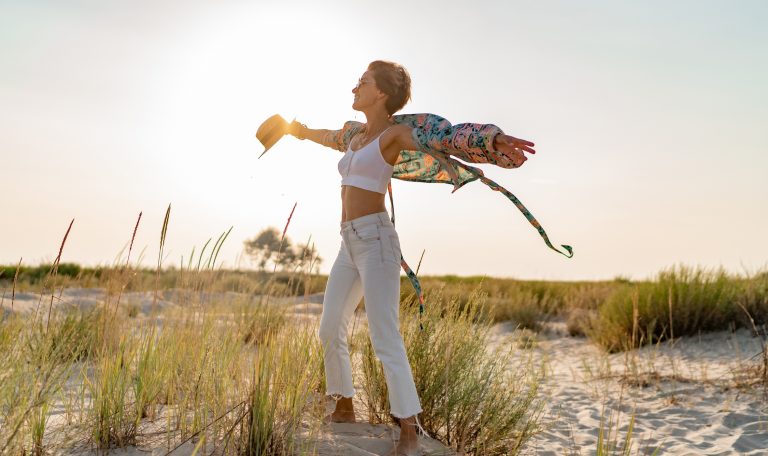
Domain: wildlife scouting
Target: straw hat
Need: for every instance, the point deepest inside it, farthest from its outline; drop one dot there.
(270, 132)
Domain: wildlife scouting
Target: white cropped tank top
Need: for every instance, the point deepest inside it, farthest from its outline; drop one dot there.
(365, 168)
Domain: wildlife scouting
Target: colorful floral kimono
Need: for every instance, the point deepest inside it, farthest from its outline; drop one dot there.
(440, 142)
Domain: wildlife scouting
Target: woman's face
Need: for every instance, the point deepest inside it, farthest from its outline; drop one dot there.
(366, 92)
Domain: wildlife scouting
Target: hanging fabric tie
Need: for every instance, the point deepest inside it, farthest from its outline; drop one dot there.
(408, 271)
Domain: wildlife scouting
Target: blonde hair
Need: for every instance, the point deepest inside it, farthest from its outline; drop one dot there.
(392, 79)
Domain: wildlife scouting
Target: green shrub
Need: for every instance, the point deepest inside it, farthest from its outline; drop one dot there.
(524, 309)
(477, 402)
(680, 302)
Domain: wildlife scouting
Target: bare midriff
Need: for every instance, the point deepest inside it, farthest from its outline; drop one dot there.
(357, 202)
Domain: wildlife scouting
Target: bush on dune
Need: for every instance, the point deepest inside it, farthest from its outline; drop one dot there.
(681, 301)
(477, 401)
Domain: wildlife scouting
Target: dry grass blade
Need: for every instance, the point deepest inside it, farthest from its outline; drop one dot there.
(163, 234)
(55, 270)
(290, 216)
(279, 253)
(133, 237)
(213, 251)
(15, 280)
(189, 262)
(216, 420)
(282, 237)
(202, 251)
(762, 370)
(127, 264)
(217, 246)
(418, 266)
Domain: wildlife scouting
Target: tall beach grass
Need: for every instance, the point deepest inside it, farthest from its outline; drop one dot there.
(476, 401)
(227, 370)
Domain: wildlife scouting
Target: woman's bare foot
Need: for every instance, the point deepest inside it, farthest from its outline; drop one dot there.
(344, 413)
(402, 449)
(408, 445)
(340, 417)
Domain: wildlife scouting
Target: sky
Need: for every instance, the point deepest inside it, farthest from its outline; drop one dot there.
(650, 120)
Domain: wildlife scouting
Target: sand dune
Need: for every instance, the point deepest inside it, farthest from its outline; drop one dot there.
(683, 396)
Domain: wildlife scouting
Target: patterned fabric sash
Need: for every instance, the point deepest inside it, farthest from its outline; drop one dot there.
(439, 142)
(431, 170)
(408, 271)
(435, 163)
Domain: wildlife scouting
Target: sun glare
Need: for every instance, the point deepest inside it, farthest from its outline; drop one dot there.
(220, 82)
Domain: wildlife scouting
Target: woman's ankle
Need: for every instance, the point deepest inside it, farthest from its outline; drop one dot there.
(345, 405)
(409, 422)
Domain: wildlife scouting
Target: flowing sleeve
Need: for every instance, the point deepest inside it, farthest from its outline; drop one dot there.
(470, 142)
(341, 138)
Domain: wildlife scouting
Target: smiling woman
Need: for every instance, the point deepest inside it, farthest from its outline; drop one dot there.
(410, 147)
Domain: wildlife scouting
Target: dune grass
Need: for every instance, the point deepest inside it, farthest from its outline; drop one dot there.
(224, 374)
(681, 301)
(36, 363)
(622, 314)
(611, 442)
(203, 372)
(201, 376)
(476, 401)
(226, 370)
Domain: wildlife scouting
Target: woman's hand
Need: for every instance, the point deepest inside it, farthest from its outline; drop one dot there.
(514, 148)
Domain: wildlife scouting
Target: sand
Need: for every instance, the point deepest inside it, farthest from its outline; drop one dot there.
(684, 396)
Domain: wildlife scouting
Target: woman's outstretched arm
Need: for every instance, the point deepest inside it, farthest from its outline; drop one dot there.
(335, 139)
(275, 127)
(474, 143)
(327, 138)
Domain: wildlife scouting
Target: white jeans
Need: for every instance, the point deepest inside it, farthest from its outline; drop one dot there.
(368, 265)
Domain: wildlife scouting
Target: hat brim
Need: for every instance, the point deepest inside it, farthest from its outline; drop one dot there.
(269, 133)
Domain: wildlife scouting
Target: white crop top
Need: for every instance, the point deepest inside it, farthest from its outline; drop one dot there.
(365, 168)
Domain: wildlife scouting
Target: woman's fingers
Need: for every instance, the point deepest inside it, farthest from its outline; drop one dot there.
(514, 149)
(524, 145)
(521, 159)
(518, 143)
(524, 142)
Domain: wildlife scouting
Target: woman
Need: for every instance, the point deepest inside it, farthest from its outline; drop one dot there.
(368, 262)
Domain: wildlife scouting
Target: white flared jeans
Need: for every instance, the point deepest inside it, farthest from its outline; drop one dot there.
(368, 265)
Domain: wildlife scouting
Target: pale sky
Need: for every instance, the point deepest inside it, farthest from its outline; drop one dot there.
(650, 120)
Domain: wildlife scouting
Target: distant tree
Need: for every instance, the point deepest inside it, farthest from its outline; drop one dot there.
(306, 256)
(265, 249)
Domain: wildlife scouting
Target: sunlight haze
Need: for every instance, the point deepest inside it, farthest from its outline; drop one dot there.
(650, 121)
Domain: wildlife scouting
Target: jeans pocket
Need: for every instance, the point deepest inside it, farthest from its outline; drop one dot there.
(394, 248)
(368, 233)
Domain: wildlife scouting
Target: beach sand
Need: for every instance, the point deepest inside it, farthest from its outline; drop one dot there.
(684, 397)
